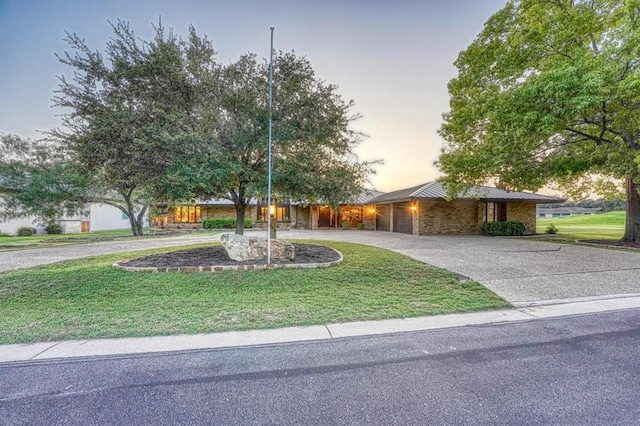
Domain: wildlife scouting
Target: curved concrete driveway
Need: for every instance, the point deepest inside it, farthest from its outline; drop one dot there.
(521, 270)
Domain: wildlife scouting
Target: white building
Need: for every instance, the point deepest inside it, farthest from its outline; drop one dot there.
(99, 217)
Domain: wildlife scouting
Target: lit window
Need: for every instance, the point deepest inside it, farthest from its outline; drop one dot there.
(187, 214)
(282, 213)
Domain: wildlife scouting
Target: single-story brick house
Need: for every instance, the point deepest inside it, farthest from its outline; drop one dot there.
(419, 210)
(287, 214)
(423, 210)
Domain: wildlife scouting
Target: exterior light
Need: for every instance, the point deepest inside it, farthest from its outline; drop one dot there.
(414, 208)
(272, 210)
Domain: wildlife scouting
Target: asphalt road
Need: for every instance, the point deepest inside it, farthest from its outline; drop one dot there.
(572, 370)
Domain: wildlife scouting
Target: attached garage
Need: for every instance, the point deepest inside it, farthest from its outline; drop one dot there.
(426, 210)
(383, 217)
(402, 218)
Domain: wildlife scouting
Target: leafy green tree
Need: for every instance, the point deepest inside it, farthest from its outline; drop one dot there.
(312, 143)
(549, 92)
(37, 180)
(125, 115)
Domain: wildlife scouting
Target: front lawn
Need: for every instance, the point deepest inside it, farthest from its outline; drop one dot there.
(89, 298)
(586, 227)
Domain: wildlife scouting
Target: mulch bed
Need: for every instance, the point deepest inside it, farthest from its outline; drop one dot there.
(216, 255)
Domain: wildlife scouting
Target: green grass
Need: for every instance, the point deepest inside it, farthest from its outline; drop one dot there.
(598, 226)
(47, 240)
(89, 298)
(12, 242)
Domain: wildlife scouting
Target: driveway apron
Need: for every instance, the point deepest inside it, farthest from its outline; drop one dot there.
(520, 270)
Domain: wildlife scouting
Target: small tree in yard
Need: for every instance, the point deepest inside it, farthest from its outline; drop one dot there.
(549, 92)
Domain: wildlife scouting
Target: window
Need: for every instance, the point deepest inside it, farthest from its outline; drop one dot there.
(282, 213)
(187, 214)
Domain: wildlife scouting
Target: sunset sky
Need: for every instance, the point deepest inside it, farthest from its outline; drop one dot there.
(393, 58)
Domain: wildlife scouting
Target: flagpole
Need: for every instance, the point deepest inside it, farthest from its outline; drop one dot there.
(269, 151)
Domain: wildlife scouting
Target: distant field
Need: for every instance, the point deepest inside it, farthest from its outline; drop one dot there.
(596, 226)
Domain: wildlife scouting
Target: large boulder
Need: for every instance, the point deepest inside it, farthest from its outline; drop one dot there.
(241, 248)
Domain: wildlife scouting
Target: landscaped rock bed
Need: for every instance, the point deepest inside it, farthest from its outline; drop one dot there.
(215, 259)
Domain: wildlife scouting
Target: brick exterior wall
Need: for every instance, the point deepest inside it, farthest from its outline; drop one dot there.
(525, 213)
(313, 217)
(369, 219)
(448, 217)
(300, 217)
(432, 217)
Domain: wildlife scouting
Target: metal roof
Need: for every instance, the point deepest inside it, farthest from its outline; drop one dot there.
(435, 191)
(365, 196)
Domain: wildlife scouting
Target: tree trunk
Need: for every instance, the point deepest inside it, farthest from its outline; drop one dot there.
(136, 226)
(140, 220)
(632, 228)
(240, 213)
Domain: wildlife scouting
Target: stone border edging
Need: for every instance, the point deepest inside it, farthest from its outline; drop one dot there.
(224, 268)
(605, 246)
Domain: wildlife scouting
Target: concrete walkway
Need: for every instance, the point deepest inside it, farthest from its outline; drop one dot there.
(541, 279)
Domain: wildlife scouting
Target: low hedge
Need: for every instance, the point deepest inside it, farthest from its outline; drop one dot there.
(26, 231)
(53, 228)
(496, 229)
(224, 223)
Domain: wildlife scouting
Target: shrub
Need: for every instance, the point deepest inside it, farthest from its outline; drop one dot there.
(551, 229)
(53, 228)
(219, 223)
(361, 225)
(346, 225)
(495, 229)
(26, 231)
(224, 223)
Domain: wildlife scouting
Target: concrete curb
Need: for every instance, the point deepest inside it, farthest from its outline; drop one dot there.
(145, 345)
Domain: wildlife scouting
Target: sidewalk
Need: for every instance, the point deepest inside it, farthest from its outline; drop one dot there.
(143, 345)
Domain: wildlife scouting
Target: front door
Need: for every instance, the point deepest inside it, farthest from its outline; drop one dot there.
(325, 217)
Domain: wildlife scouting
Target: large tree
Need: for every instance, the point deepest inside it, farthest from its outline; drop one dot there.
(125, 115)
(549, 92)
(313, 144)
